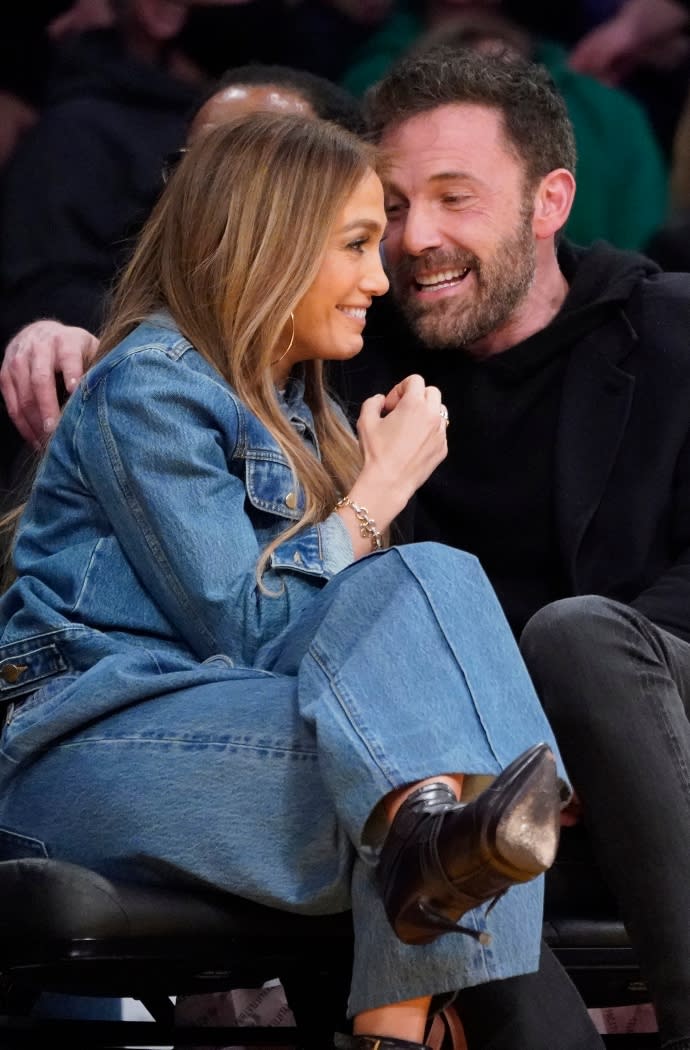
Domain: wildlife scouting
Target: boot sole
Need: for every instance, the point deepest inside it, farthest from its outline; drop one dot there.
(518, 844)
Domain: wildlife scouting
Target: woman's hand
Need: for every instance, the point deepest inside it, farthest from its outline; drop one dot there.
(403, 439)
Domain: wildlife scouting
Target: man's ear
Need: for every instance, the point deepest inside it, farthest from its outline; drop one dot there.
(163, 19)
(552, 203)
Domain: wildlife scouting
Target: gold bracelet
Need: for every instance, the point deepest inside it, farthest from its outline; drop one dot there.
(367, 525)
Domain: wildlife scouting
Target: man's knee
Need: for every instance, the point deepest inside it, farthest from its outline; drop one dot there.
(569, 629)
(584, 655)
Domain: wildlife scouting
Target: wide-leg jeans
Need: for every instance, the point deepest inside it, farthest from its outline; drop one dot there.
(266, 781)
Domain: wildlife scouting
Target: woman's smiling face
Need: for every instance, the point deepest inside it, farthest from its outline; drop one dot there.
(330, 318)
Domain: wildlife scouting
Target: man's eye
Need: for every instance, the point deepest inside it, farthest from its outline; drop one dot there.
(393, 210)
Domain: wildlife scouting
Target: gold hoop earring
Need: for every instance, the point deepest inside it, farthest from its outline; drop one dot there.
(289, 346)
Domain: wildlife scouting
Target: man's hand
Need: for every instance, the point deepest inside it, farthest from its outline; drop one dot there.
(16, 117)
(82, 15)
(33, 359)
(640, 30)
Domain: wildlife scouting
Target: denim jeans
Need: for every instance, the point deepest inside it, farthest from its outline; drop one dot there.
(261, 781)
(617, 692)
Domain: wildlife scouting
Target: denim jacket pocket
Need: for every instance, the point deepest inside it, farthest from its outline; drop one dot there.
(25, 665)
(271, 485)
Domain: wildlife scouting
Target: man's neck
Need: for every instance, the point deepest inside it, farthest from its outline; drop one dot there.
(544, 299)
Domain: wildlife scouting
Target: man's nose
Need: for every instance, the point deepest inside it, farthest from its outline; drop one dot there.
(420, 232)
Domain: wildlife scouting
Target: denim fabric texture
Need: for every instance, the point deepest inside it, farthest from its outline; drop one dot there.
(175, 724)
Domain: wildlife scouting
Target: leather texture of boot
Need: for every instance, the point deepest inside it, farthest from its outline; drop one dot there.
(442, 858)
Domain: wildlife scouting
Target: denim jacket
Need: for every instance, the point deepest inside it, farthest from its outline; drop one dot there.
(157, 494)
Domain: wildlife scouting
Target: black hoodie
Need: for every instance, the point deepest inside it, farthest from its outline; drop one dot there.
(494, 494)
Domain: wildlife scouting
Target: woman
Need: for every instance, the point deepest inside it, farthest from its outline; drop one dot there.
(195, 645)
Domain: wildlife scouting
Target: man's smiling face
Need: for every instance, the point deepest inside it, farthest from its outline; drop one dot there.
(460, 248)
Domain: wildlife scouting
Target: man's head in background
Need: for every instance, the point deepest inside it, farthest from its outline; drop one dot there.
(258, 86)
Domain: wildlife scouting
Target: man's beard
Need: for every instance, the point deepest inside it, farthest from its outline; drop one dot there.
(500, 284)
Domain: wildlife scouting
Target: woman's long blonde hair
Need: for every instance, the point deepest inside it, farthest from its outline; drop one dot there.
(231, 247)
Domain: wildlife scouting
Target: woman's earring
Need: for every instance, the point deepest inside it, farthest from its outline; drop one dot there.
(289, 346)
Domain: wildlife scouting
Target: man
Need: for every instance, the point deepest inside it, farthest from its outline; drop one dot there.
(622, 176)
(566, 373)
(549, 433)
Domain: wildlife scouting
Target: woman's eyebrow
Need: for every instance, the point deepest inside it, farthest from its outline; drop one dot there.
(368, 224)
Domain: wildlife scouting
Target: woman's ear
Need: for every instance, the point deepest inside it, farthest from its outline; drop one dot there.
(552, 203)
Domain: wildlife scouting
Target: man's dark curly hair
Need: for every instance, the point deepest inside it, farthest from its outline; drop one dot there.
(535, 118)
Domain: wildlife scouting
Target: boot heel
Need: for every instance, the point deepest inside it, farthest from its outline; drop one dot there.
(420, 923)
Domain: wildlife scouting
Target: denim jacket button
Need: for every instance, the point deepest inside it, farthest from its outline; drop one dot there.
(13, 672)
(291, 500)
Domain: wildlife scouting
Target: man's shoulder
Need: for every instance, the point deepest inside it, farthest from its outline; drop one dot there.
(654, 328)
(659, 304)
(629, 280)
(666, 284)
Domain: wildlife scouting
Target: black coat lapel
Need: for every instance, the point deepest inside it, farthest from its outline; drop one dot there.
(595, 405)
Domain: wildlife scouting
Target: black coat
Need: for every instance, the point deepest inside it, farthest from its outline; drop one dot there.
(622, 457)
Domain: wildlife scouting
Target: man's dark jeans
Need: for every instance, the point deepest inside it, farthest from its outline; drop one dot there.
(617, 692)
(539, 1011)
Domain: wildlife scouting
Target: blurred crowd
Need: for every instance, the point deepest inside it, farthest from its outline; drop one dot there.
(97, 95)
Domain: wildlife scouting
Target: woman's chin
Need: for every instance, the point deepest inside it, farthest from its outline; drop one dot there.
(352, 349)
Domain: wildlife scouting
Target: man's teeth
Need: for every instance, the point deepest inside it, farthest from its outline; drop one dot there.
(354, 311)
(446, 277)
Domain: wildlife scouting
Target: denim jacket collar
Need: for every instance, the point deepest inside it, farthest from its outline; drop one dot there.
(291, 398)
